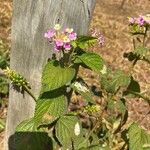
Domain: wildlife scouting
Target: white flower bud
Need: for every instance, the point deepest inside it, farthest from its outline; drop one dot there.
(57, 27)
(80, 87)
(104, 70)
(77, 129)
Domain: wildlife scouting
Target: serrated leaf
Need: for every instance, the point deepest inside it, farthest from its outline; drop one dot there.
(141, 50)
(27, 125)
(116, 124)
(54, 76)
(29, 137)
(138, 138)
(31, 141)
(86, 94)
(121, 78)
(120, 105)
(96, 147)
(133, 87)
(95, 139)
(112, 81)
(116, 107)
(3, 85)
(80, 142)
(85, 42)
(65, 128)
(3, 62)
(91, 60)
(2, 125)
(48, 110)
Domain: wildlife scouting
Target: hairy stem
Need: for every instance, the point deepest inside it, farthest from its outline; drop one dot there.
(145, 35)
(140, 95)
(29, 92)
(93, 129)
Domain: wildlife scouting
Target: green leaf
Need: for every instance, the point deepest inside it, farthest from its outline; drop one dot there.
(2, 125)
(96, 147)
(3, 85)
(84, 91)
(48, 110)
(88, 96)
(130, 56)
(94, 139)
(91, 60)
(27, 125)
(29, 137)
(3, 62)
(31, 141)
(137, 30)
(146, 59)
(120, 105)
(138, 138)
(85, 42)
(133, 87)
(80, 142)
(116, 107)
(141, 50)
(65, 130)
(112, 81)
(54, 76)
(121, 79)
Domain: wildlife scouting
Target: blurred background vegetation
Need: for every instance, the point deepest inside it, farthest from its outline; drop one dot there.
(5, 44)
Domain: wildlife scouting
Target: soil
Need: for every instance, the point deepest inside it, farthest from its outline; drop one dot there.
(111, 19)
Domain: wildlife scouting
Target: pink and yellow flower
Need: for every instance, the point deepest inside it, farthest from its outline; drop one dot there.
(66, 39)
(61, 40)
(69, 30)
(72, 36)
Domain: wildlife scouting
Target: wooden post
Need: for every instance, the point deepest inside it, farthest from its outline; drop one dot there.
(30, 51)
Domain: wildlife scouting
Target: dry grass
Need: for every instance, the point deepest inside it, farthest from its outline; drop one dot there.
(5, 19)
(111, 19)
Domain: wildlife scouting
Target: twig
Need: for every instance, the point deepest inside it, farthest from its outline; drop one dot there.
(29, 92)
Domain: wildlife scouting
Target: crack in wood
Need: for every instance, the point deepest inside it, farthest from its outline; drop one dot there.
(60, 14)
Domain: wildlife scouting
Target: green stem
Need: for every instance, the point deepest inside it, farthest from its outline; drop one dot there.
(111, 138)
(145, 34)
(135, 61)
(140, 95)
(2, 124)
(29, 92)
(68, 95)
(93, 129)
(146, 59)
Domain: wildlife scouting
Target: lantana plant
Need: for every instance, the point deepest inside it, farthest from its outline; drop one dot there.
(93, 125)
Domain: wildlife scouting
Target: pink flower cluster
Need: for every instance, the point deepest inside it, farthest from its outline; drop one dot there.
(140, 20)
(62, 40)
(99, 36)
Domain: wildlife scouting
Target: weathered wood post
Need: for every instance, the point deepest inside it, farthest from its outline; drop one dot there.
(31, 18)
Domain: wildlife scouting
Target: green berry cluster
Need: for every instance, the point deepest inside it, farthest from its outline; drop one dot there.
(90, 109)
(16, 78)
